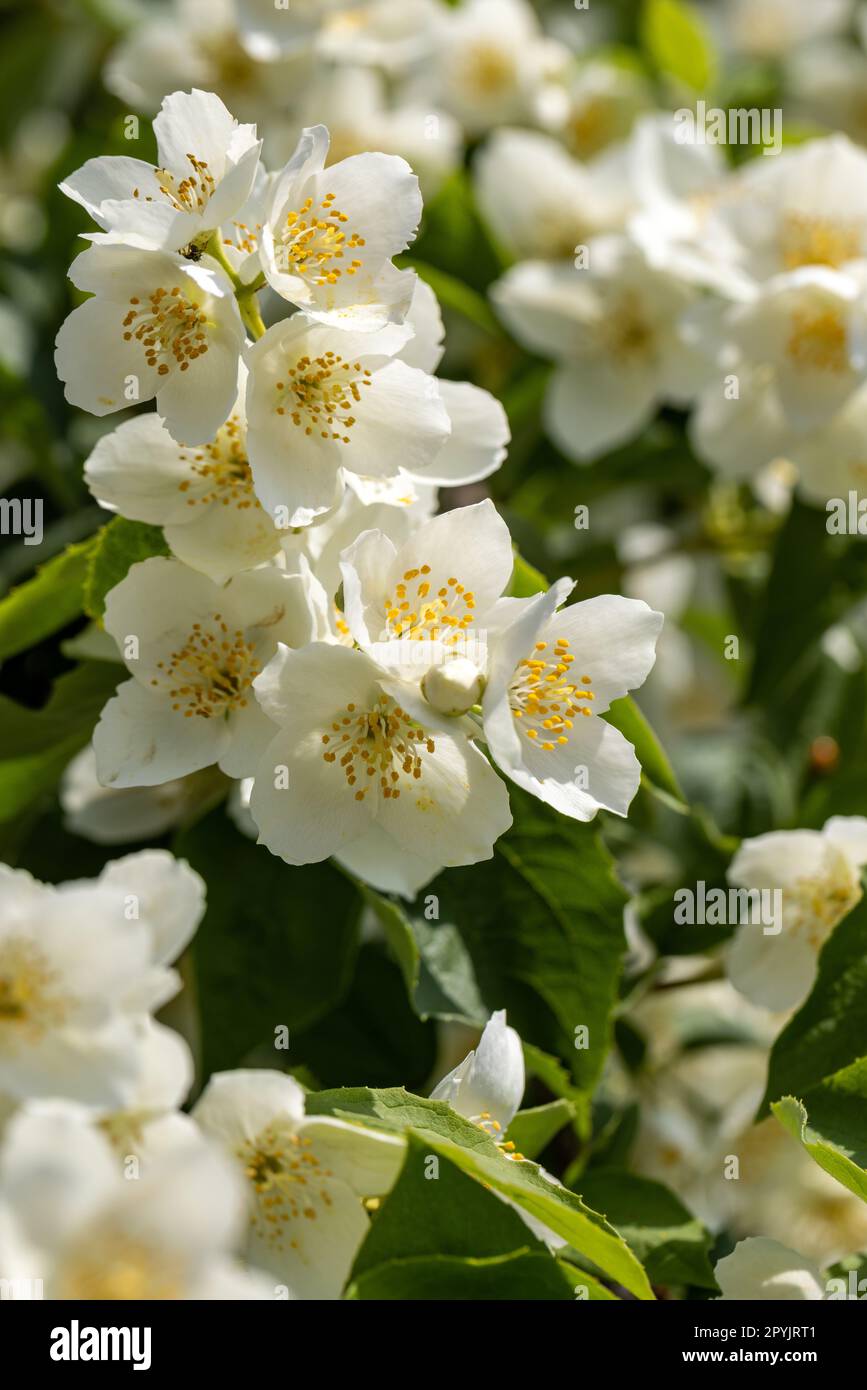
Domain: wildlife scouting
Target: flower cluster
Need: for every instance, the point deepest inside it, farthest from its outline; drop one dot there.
(355, 681)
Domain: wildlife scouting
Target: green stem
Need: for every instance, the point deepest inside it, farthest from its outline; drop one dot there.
(251, 317)
(244, 294)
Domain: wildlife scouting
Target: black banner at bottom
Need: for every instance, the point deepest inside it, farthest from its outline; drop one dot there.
(81, 1339)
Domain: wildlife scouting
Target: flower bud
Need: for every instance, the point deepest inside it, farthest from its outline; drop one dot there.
(453, 687)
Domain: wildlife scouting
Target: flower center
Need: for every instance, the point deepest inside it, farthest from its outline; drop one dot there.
(489, 69)
(287, 1179)
(117, 1268)
(191, 192)
(384, 743)
(170, 328)
(543, 696)
(626, 331)
(313, 241)
(818, 340)
(485, 1121)
(29, 1002)
(415, 612)
(321, 392)
(212, 672)
(809, 240)
(245, 239)
(814, 905)
(591, 126)
(221, 471)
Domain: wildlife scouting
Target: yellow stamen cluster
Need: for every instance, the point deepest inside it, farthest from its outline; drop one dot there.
(818, 340)
(29, 1001)
(246, 238)
(211, 674)
(314, 241)
(287, 1179)
(493, 1127)
(806, 240)
(416, 612)
(117, 1268)
(320, 393)
(168, 326)
(545, 698)
(489, 69)
(223, 466)
(814, 905)
(191, 193)
(188, 194)
(384, 743)
(626, 333)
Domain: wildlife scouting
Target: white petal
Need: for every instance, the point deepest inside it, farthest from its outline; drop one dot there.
(140, 741)
(171, 897)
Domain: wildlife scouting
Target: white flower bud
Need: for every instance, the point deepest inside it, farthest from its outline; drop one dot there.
(454, 687)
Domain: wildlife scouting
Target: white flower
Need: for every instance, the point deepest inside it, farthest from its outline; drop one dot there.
(268, 30)
(330, 408)
(594, 105)
(202, 495)
(330, 234)
(323, 542)
(806, 207)
(306, 1176)
(352, 772)
(613, 328)
(487, 1087)
(157, 325)
(196, 43)
(830, 459)
(796, 354)
(759, 1269)
(322, 399)
(207, 164)
(419, 607)
(108, 817)
(551, 674)
(69, 1218)
(490, 61)
(361, 117)
(769, 29)
(538, 201)
(818, 875)
(193, 650)
(381, 34)
(80, 965)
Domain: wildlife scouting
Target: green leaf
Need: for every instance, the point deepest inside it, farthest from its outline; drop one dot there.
(671, 1244)
(448, 1135)
(119, 545)
(277, 945)
(520, 1275)
(532, 1130)
(526, 581)
(47, 602)
(675, 39)
(542, 927)
(826, 1035)
(75, 704)
(793, 1116)
(373, 1035)
(800, 603)
(37, 745)
(625, 715)
(441, 1234)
